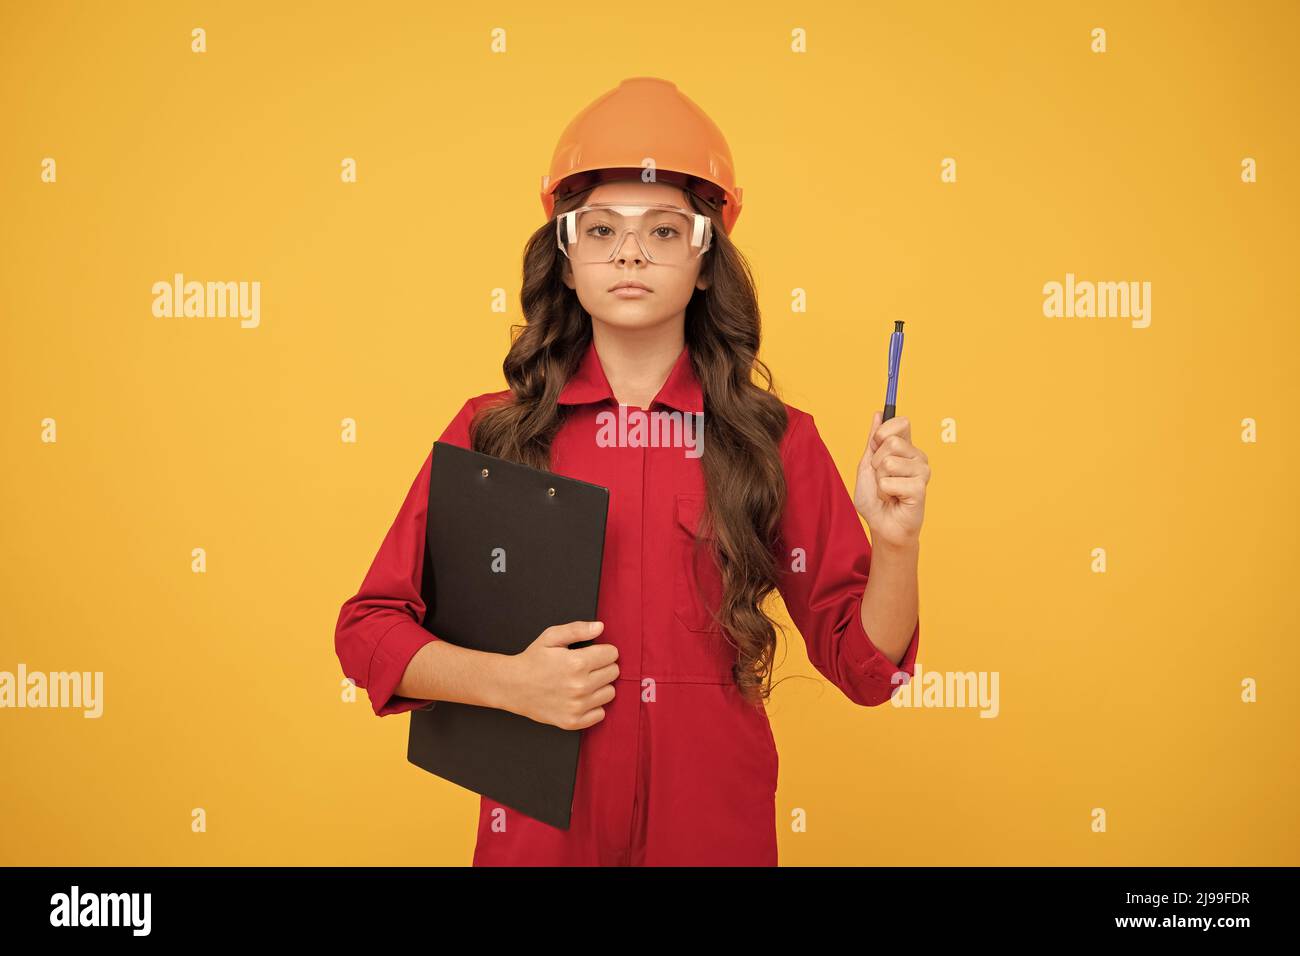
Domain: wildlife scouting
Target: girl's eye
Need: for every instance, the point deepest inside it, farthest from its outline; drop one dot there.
(670, 232)
(600, 235)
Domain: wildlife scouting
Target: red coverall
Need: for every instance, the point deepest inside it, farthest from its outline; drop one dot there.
(681, 770)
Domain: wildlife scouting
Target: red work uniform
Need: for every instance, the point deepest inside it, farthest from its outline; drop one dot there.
(681, 770)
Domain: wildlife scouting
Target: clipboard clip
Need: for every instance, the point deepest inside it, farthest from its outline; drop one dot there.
(549, 491)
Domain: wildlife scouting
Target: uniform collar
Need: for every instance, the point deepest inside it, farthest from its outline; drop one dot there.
(681, 390)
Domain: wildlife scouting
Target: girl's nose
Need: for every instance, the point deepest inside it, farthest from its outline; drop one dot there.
(629, 250)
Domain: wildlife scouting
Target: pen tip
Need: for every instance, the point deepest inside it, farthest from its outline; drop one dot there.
(898, 325)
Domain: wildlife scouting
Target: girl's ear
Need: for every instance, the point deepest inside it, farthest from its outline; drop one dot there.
(703, 280)
(566, 274)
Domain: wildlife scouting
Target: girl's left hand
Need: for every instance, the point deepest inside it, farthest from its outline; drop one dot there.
(892, 476)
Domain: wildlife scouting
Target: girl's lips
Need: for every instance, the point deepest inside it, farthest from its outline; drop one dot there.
(630, 292)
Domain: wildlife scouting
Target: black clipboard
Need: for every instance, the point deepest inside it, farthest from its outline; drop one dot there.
(550, 530)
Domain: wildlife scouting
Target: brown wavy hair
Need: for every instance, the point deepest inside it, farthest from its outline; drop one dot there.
(741, 458)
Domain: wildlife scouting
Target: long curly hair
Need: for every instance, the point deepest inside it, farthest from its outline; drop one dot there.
(741, 459)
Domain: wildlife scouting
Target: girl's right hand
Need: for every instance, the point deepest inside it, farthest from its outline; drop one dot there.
(554, 684)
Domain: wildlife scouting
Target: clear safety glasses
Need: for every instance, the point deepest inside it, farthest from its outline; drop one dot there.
(669, 235)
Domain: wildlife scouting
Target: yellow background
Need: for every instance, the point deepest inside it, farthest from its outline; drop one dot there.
(222, 690)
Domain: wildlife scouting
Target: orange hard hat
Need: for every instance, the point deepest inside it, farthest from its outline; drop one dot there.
(644, 118)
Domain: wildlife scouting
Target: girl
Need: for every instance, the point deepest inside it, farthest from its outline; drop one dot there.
(639, 309)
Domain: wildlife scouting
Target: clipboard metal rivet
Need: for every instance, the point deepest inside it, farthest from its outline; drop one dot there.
(551, 492)
(485, 472)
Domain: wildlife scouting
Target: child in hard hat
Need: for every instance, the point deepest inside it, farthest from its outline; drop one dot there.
(639, 309)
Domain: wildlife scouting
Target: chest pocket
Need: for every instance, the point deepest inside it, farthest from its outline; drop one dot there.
(697, 583)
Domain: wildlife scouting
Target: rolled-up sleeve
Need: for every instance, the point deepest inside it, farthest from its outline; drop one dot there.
(380, 628)
(824, 562)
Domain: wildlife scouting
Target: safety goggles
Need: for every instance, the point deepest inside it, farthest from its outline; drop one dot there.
(669, 235)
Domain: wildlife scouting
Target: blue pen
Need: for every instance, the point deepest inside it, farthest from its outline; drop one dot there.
(895, 363)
